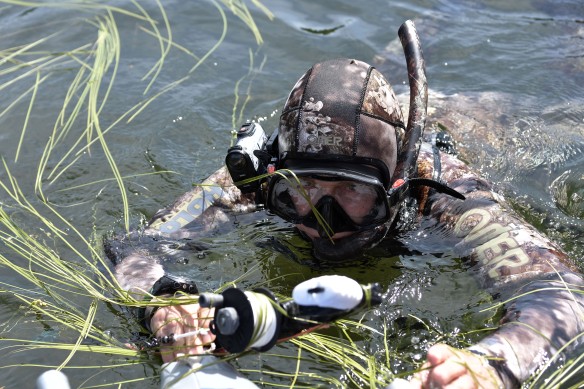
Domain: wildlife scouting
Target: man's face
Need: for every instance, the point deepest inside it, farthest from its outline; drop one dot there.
(356, 199)
(340, 214)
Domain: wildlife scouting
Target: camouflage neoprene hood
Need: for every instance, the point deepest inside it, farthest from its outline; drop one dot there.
(345, 110)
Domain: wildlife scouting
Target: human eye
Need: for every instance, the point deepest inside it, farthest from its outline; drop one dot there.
(358, 188)
(354, 187)
(306, 184)
(360, 191)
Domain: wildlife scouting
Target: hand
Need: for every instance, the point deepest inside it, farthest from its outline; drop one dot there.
(180, 319)
(448, 367)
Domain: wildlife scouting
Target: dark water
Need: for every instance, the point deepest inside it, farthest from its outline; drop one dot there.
(529, 53)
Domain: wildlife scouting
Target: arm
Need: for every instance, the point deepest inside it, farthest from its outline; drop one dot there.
(195, 213)
(204, 206)
(542, 314)
(198, 211)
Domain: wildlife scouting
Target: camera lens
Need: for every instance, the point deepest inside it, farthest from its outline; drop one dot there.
(236, 161)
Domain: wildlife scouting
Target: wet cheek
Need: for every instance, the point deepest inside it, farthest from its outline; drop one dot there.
(301, 206)
(358, 209)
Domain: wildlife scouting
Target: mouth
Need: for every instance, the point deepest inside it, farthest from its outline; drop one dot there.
(313, 234)
(344, 246)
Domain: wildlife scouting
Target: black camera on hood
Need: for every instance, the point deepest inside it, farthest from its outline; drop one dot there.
(249, 157)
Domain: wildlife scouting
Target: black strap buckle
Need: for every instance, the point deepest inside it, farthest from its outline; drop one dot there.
(170, 285)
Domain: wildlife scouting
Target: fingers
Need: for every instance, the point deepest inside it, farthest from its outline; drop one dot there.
(439, 353)
(447, 364)
(446, 373)
(205, 317)
(465, 382)
(452, 368)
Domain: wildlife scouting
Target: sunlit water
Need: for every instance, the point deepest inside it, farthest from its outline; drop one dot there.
(530, 51)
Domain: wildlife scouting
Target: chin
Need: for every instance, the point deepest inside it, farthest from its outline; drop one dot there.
(344, 246)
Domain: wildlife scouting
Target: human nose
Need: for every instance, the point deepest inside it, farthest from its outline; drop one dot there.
(315, 193)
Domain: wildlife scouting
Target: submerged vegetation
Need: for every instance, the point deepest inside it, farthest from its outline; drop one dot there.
(56, 287)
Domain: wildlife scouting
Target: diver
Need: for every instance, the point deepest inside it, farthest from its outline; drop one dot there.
(343, 168)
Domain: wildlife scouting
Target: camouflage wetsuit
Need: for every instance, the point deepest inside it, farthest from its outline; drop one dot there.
(508, 253)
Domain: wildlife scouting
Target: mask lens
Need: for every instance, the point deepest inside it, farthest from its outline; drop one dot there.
(287, 198)
(293, 199)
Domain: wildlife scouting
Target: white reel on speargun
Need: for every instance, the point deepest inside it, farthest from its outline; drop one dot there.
(257, 320)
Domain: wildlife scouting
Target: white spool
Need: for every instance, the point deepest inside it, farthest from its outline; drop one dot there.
(338, 292)
(264, 319)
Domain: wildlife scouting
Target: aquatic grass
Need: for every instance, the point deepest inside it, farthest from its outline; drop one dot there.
(361, 369)
(28, 247)
(53, 313)
(105, 52)
(563, 368)
(32, 345)
(219, 40)
(319, 218)
(108, 30)
(45, 61)
(76, 5)
(570, 369)
(164, 49)
(295, 378)
(25, 125)
(295, 181)
(240, 9)
(170, 43)
(238, 117)
(105, 180)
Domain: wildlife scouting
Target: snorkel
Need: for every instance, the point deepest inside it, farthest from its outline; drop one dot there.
(408, 153)
(406, 169)
(405, 172)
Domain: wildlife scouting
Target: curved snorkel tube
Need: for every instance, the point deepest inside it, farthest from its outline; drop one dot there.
(405, 175)
(418, 99)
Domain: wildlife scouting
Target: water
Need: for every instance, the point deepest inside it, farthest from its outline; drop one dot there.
(528, 53)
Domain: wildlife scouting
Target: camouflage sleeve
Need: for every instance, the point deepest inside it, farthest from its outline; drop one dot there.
(204, 206)
(545, 305)
(138, 257)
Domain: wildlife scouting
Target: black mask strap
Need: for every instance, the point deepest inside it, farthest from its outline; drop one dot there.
(398, 194)
(439, 186)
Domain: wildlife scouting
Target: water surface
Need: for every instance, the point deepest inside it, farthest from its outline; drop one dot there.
(528, 54)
